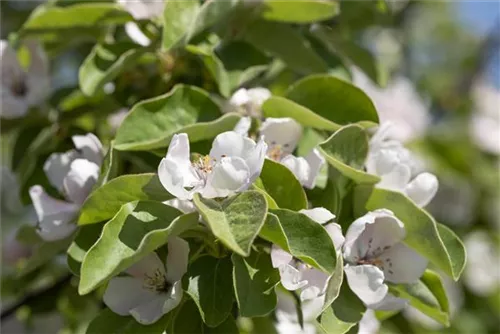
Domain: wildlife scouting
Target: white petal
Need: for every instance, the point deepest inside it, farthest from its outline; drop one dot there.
(243, 126)
(177, 259)
(316, 279)
(335, 232)
(389, 303)
(174, 297)
(57, 166)
(422, 189)
(37, 79)
(367, 282)
(291, 277)
(285, 132)
(319, 215)
(175, 170)
(90, 147)
(228, 176)
(258, 95)
(150, 311)
(402, 264)
(136, 34)
(279, 256)
(255, 159)
(124, 293)
(53, 215)
(311, 307)
(315, 161)
(80, 179)
(369, 323)
(298, 166)
(12, 106)
(231, 144)
(371, 234)
(396, 179)
(143, 9)
(240, 97)
(147, 266)
(184, 206)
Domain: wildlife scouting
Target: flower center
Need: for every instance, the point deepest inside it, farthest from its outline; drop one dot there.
(275, 153)
(204, 165)
(156, 282)
(19, 88)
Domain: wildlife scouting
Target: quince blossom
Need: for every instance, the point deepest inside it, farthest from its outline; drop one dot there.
(22, 88)
(374, 254)
(234, 162)
(73, 173)
(248, 101)
(152, 289)
(141, 10)
(394, 164)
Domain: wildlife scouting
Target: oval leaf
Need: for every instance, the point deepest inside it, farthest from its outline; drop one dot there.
(177, 18)
(237, 220)
(111, 323)
(299, 11)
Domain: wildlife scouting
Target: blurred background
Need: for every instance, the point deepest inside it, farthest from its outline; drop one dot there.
(439, 83)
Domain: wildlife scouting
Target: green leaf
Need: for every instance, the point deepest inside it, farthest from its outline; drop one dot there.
(254, 279)
(299, 11)
(177, 18)
(286, 43)
(334, 283)
(344, 313)
(210, 286)
(105, 62)
(433, 281)
(237, 220)
(111, 323)
(76, 17)
(445, 251)
(109, 167)
(152, 123)
(281, 107)
(188, 321)
(302, 237)
(280, 183)
(86, 237)
(104, 202)
(421, 296)
(137, 229)
(211, 12)
(334, 99)
(346, 150)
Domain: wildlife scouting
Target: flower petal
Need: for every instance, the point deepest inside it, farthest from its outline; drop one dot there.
(53, 215)
(147, 266)
(285, 132)
(367, 282)
(80, 179)
(136, 34)
(370, 235)
(291, 277)
(174, 297)
(150, 311)
(255, 159)
(231, 144)
(57, 166)
(389, 303)
(402, 264)
(396, 179)
(243, 126)
(177, 259)
(369, 324)
(316, 279)
(315, 161)
(90, 147)
(422, 189)
(143, 9)
(175, 170)
(184, 206)
(335, 232)
(124, 293)
(298, 166)
(319, 215)
(228, 176)
(279, 256)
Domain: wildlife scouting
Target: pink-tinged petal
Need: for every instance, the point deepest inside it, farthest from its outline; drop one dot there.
(367, 282)
(402, 264)
(316, 279)
(80, 180)
(147, 266)
(177, 259)
(151, 311)
(125, 293)
(372, 234)
(422, 189)
(90, 147)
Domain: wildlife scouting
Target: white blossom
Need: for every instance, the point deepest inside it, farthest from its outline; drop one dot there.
(485, 119)
(73, 174)
(248, 101)
(398, 103)
(287, 320)
(369, 324)
(297, 275)
(151, 288)
(282, 136)
(374, 254)
(143, 9)
(234, 162)
(395, 165)
(22, 88)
